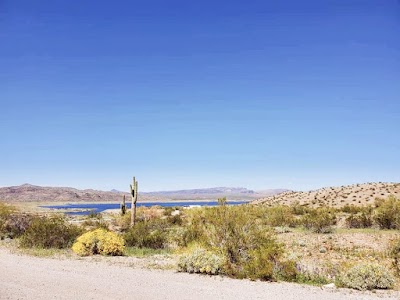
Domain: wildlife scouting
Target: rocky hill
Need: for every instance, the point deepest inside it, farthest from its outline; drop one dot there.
(356, 194)
(34, 193)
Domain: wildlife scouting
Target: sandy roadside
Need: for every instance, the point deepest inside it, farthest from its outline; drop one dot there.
(27, 277)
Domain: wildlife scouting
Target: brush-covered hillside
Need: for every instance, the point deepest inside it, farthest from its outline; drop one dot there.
(356, 194)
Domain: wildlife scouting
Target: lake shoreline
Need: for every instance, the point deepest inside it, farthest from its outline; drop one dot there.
(100, 207)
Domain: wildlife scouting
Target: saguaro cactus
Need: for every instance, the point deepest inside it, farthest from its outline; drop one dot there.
(134, 194)
(123, 206)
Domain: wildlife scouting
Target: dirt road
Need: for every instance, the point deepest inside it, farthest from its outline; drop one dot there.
(27, 277)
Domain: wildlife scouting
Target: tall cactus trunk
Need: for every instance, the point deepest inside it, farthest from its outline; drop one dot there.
(134, 194)
(123, 206)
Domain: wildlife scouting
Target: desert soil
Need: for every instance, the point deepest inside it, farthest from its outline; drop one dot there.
(28, 277)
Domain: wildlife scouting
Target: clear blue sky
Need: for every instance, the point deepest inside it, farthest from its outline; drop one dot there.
(187, 94)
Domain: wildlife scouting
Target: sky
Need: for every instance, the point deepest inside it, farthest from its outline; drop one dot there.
(194, 94)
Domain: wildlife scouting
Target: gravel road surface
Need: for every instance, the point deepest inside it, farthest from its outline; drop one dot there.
(27, 277)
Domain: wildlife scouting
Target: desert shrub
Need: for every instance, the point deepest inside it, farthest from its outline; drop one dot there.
(282, 229)
(148, 234)
(192, 230)
(378, 202)
(317, 274)
(286, 270)
(387, 215)
(249, 249)
(5, 213)
(173, 215)
(395, 255)
(16, 224)
(264, 264)
(94, 215)
(122, 221)
(319, 220)
(168, 210)
(95, 220)
(366, 277)
(363, 219)
(49, 232)
(143, 214)
(99, 241)
(351, 209)
(299, 209)
(200, 261)
(175, 220)
(280, 216)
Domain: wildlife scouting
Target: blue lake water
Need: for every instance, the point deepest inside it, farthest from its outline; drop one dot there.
(87, 208)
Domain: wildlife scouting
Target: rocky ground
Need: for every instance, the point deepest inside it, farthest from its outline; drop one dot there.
(356, 194)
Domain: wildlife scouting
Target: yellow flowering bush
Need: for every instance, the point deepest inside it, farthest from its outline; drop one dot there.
(99, 241)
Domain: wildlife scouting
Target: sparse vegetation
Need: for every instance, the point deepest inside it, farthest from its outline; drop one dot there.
(281, 242)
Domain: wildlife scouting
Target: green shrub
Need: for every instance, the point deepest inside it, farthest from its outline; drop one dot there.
(286, 270)
(387, 215)
(16, 225)
(280, 215)
(360, 220)
(249, 249)
(299, 209)
(5, 213)
(148, 234)
(319, 220)
(366, 277)
(49, 232)
(200, 261)
(174, 220)
(395, 255)
(310, 278)
(351, 209)
(264, 264)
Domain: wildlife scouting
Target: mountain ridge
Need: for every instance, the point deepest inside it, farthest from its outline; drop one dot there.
(35, 193)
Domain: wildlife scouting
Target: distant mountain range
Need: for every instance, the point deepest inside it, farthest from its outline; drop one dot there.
(34, 193)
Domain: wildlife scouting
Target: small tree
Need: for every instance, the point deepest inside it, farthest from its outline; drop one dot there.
(222, 201)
